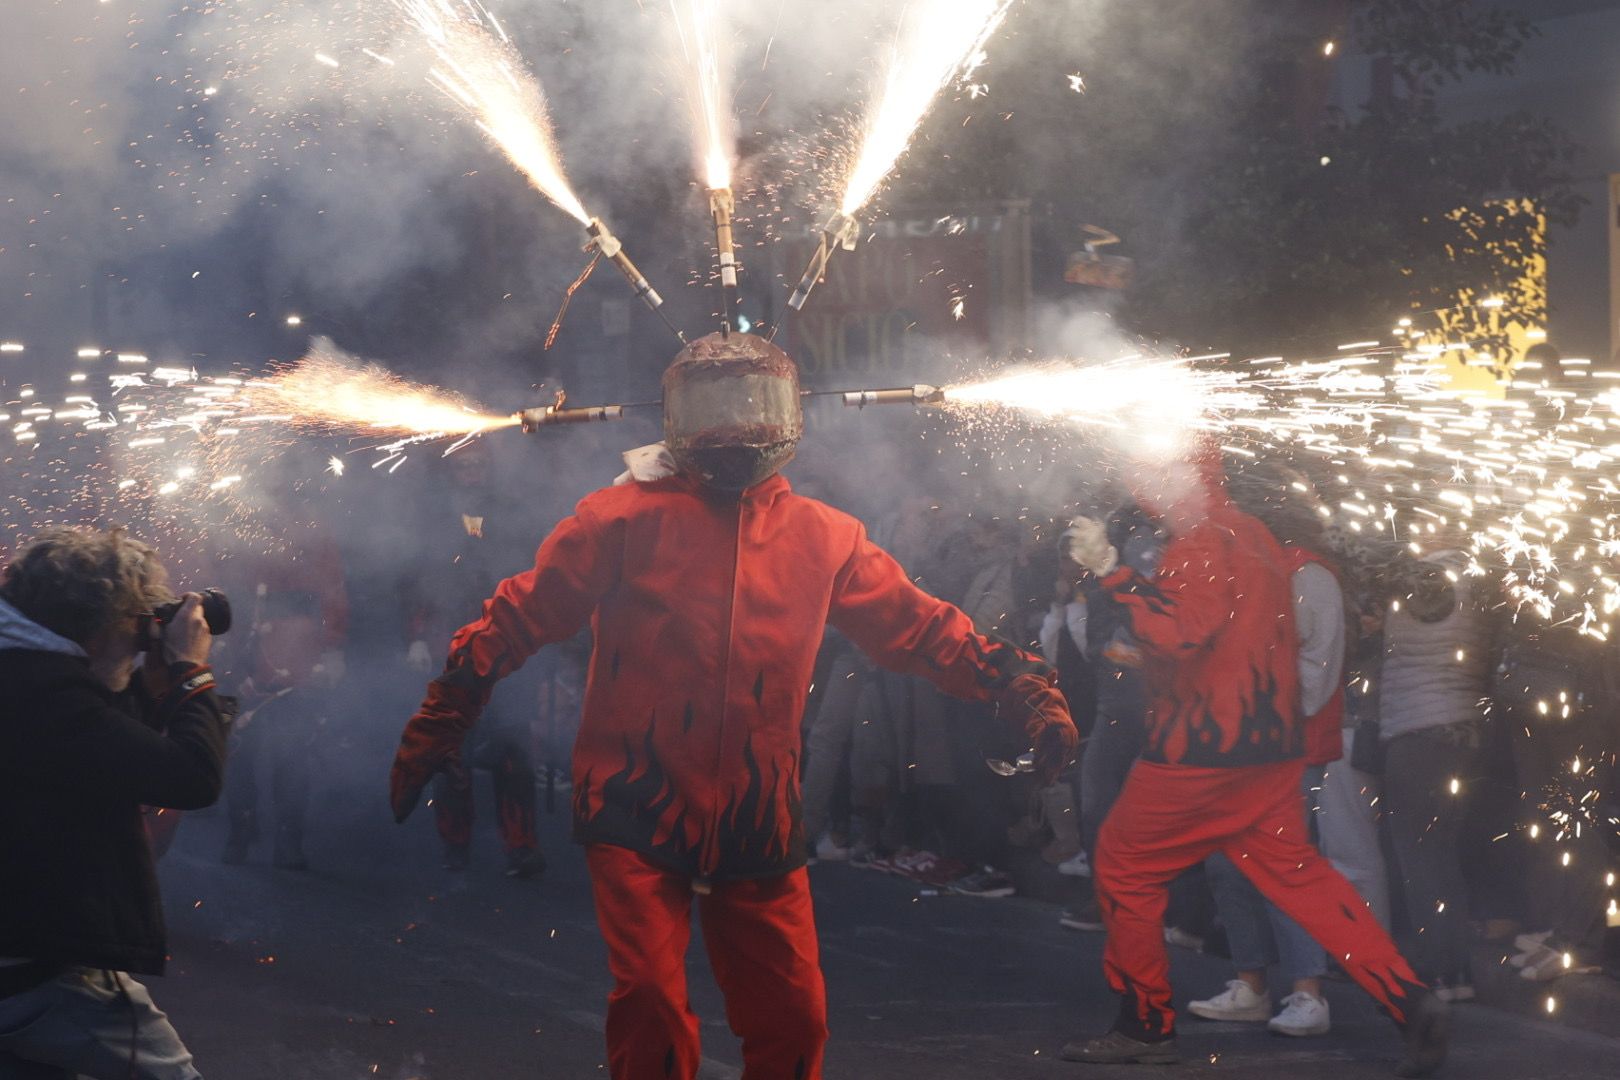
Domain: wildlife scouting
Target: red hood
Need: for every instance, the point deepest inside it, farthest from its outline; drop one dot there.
(1184, 492)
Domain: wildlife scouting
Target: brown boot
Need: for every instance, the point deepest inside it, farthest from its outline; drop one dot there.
(1063, 818)
(1029, 830)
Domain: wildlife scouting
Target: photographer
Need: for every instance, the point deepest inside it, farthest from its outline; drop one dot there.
(85, 740)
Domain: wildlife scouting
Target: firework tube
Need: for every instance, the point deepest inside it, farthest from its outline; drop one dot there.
(921, 394)
(721, 204)
(532, 420)
(842, 231)
(602, 240)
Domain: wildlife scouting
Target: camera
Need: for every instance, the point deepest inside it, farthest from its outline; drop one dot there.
(216, 613)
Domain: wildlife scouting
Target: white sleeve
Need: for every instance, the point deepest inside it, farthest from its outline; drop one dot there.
(1319, 618)
(1051, 626)
(1074, 617)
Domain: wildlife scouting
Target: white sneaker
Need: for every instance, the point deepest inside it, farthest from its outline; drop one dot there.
(1540, 964)
(1079, 866)
(1236, 1002)
(830, 850)
(1529, 943)
(1302, 1015)
(1182, 939)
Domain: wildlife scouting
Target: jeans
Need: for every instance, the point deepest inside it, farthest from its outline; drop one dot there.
(1347, 829)
(832, 731)
(1425, 822)
(85, 1022)
(1115, 742)
(1258, 933)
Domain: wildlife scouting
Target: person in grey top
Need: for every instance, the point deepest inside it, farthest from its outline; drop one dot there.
(1436, 680)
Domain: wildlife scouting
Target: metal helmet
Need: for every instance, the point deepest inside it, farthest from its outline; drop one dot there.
(731, 410)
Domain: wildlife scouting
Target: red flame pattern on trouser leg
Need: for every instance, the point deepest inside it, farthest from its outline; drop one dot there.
(761, 939)
(1169, 818)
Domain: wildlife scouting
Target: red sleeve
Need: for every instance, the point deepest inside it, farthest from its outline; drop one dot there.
(575, 566)
(904, 629)
(1186, 603)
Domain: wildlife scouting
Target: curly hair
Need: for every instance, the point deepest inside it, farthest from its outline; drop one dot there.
(77, 581)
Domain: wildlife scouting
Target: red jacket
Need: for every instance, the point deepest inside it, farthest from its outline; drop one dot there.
(1216, 626)
(707, 614)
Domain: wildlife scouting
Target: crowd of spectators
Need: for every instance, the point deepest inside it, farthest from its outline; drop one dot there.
(1469, 796)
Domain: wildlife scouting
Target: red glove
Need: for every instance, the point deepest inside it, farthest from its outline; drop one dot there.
(1034, 703)
(431, 743)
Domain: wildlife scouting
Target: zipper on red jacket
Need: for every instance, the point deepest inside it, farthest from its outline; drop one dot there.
(710, 860)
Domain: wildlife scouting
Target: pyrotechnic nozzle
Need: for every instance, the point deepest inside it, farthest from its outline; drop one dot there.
(844, 230)
(532, 420)
(603, 240)
(723, 205)
(840, 231)
(921, 394)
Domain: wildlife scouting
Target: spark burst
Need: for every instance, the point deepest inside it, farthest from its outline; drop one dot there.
(937, 42)
(699, 26)
(330, 390)
(479, 69)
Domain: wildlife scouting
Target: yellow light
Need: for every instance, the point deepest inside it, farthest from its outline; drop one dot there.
(1456, 785)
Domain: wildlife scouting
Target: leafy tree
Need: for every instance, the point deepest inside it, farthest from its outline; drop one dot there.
(1392, 210)
(1259, 217)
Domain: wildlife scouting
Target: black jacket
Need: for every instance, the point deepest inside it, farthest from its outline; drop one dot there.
(77, 762)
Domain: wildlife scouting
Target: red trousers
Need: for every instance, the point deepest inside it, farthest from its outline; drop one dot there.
(761, 939)
(1171, 817)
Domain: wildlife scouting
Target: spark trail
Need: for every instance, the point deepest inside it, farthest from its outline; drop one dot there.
(479, 69)
(701, 30)
(332, 391)
(937, 42)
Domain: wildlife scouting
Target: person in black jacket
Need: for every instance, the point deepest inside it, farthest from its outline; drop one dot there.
(85, 741)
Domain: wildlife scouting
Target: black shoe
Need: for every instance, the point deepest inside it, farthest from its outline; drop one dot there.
(456, 856)
(1118, 1048)
(525, 863)
(1086, 917)
(1428, 1035)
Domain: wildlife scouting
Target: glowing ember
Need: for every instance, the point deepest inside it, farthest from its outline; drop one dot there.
(699, 26)
(480, 70)
(329, 390)
(936, 43)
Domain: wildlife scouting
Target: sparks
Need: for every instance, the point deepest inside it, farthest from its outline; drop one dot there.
(481, 71)
(699, 28)
(936, 43)
(329, 390)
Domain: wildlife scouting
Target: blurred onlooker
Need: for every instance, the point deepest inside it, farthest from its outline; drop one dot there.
(84, 742)
(831, 734)
(1347, 823)
(1258, 934)
(1438, 641)
(1555, 694)
(294, 608)
(473, 536)
(1119, 729)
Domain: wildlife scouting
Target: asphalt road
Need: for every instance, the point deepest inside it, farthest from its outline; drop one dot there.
(379, 964)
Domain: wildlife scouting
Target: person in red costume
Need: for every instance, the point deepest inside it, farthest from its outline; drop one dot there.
(1221, 769)
(707, 592)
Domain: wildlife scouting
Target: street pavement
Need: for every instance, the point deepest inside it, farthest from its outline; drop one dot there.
(377, 963)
